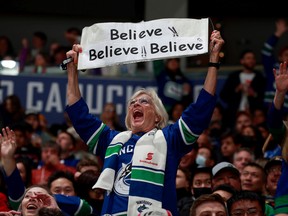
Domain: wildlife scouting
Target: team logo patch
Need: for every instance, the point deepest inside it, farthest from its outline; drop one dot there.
(143, 205)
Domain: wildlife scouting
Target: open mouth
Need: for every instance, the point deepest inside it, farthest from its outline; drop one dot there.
(137, 114)
(32, 206)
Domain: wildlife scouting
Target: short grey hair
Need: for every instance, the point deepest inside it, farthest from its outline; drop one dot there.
(156, 102)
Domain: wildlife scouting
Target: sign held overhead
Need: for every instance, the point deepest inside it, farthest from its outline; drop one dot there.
(107, 44)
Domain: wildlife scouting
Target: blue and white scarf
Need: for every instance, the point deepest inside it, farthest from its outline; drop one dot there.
(148, 169)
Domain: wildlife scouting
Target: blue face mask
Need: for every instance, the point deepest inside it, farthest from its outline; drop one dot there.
(201, 160)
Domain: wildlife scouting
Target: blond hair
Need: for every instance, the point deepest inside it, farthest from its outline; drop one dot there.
(156, 102)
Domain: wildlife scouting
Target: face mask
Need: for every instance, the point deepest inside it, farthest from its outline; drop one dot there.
(199, 191)
(201, 161)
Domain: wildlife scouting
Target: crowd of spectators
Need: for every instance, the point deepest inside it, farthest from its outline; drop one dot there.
(235, 166)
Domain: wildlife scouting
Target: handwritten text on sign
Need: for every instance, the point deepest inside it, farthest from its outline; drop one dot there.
(107, 44)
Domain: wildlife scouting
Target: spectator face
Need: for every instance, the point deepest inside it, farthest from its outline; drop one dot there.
(21, 138)
(22, 171)
(109, 112)
(228, 147)
(181, 180)
(177, 112)
(65, 142)
(142, 113)
(227, 177)
(210, 208)
(201, 180)
(252, 179)
(241, 121)
(9, 106)
(241, 159)
(49, 155)
(246, 207)
(259, 116)
(206, 153)
(173, 64)
(204, 140)
(248, 60)
(273, 175)
(201, 184)
(62, 186)
(248, 131)
(36, 197)
(37, 42)
(33, 120)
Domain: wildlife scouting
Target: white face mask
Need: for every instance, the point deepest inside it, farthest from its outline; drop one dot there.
(201, 160)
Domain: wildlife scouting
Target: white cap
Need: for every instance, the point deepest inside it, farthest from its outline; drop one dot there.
(224, 166)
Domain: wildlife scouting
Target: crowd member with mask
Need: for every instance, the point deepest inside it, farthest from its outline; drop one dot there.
(205, 157)
(201, 183)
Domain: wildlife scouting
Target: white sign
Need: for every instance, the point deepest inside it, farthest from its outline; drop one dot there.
(106, 44)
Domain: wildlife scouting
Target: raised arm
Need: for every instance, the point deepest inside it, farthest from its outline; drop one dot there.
(281, 27)
(216, 43)
(281, 82)
(13, 180)
(73, 90)
(8, 148)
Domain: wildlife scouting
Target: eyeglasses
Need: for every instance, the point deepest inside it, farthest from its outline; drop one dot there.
(142, 101)
(249, 212)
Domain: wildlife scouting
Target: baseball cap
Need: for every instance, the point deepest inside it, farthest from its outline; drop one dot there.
(277, 160)
(224, 166)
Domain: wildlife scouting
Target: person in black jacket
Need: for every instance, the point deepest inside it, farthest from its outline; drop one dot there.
(243, 89)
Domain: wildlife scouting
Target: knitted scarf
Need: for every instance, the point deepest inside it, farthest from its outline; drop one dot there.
(148, 169)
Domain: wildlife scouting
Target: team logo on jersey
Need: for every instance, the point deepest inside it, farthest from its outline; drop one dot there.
(141, 208)
(143, 204)
(121, 186)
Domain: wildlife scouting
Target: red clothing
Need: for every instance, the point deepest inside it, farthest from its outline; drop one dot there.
(40, 176)
(4, 203)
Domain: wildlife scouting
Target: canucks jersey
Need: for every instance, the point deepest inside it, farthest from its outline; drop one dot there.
(180, 138)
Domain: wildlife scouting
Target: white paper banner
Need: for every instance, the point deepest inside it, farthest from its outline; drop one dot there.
(106, 44)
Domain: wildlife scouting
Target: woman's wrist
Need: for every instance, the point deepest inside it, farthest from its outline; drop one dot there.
(214, 64)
